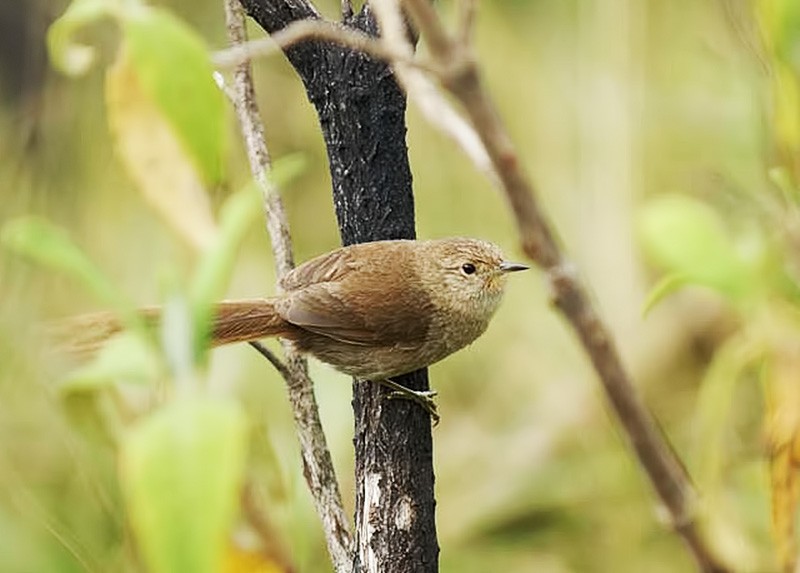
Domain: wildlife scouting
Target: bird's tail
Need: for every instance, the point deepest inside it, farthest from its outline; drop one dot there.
(251, 319)
(234, 321)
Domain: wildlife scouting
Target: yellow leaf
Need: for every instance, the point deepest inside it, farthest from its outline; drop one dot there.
(238, 560)
(783, 440)
(155, 158)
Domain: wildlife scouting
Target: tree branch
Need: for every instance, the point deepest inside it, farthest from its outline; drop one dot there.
(466, 22)
(427, 97)
(317, 463)
(304, 30)
(271, 357)
(347, 9)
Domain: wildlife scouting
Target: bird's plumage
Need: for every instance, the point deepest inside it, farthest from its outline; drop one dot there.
(372, 310)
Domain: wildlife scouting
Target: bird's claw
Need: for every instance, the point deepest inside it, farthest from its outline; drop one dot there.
(424, 398)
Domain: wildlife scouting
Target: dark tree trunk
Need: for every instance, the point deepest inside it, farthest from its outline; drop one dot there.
(362, 115)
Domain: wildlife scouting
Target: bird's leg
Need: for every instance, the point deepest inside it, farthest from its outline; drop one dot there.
(422, 397)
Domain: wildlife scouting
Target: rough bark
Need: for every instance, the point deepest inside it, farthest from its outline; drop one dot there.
(362, 116)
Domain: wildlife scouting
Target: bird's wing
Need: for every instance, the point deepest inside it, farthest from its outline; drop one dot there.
(339, 295)
(318, 308)
(327, 268)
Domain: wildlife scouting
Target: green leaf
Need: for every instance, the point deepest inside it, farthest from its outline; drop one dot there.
(177, 337)
(49, 246)
(174, 69)
(714, 405)
(688, 238)
(95, 415)
(210, 280)
(665, 287)
(238, 213)
(181, 470)
(125, 358)
(785, 31)
(68, 56)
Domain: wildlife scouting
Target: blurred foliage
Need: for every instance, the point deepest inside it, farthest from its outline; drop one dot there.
(664, 139)
(748, 257)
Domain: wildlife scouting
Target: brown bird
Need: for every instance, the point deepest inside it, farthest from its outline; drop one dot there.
(374, 310)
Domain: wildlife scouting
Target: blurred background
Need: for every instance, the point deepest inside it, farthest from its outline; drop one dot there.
(611, 102)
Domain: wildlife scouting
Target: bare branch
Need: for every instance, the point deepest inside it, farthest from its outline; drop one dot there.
(276, 362)
(303, 31)
(429, 26)
(318, 466)
(428, 98)
(347, 9)
(466, 22)
(460, 75)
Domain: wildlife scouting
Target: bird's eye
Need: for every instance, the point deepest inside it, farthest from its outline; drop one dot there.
(468, 268)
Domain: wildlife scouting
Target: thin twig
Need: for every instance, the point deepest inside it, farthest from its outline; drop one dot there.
(317, 463)
(273, 359)
(347, 9)
(425, 20)
(429, 99)
(303, 31)
(661, 463)
(466, 22)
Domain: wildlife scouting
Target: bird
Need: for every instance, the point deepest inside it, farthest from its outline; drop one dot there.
(373, 310)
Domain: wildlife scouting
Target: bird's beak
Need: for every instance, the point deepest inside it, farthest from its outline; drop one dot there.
(507, 267)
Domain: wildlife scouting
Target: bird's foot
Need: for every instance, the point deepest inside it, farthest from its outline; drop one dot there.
(424, 398)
